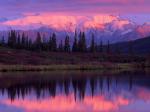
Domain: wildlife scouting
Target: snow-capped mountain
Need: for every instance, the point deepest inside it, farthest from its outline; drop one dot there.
(105, 28)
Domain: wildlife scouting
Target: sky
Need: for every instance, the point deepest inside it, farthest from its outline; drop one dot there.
(27, 12)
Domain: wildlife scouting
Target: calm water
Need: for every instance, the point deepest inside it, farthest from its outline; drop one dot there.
(75, 92)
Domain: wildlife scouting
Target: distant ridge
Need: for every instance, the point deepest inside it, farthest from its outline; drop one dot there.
(139, 46)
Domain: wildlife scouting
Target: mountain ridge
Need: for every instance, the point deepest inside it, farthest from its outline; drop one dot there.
(138, 46)
(105, 28)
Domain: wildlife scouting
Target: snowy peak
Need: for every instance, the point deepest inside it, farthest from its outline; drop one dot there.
(69, 23)
(105, 27)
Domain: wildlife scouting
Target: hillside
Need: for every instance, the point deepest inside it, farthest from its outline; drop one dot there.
(139, 46)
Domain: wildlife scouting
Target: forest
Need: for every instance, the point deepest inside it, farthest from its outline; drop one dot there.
(51, 44)
(19, 52)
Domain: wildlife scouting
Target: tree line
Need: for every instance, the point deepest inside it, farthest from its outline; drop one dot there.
(21, 41)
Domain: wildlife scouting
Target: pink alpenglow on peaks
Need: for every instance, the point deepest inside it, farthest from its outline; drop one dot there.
(64, 22)
(60, 14)
(110, 18)
(54, 21)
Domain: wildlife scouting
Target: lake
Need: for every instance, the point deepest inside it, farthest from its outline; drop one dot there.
(75, 91)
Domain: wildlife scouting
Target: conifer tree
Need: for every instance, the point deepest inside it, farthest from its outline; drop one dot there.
(38, 42)
(67, 45)
(9, 40)
(80, 42)
(26, 42)
(101, 46)
(12, 39)
(54, 43)
(44, 44)
(30, 45)
(23, 41)
(93, 46)
(2, 41)
(18, 41)
(108, 47)
(50, 43)
(83, 41)
(60, 48)
(75, 44)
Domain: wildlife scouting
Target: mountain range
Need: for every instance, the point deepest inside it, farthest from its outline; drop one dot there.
(106, 28)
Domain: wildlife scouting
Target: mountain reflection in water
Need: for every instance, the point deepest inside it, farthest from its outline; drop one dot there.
(74, 92)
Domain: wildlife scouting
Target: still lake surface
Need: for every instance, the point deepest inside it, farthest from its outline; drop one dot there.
(75, 91)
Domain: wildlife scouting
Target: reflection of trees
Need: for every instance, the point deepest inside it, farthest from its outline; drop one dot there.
(74, 84)
(48, 86)
(92, 84)
(81, 85)
(108, 83)
(52, 88)
(101, 84)
(130, 83)
(66, 86)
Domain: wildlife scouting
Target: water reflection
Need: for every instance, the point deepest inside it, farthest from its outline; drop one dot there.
(75, 91)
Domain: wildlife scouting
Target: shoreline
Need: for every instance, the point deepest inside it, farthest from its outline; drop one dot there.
(71, 67)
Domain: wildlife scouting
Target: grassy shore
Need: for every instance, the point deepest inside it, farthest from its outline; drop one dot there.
(22, 60)
(104, 66)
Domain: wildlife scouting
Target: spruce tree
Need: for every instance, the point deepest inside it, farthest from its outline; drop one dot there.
(18, 41)
(101, 47)
(50, 43)
(23, 41)
(67, 44)
(54, 43)
(108, 47)
(83, 43)
(38, 42)
(30, 45)
(2, 41)
(9, 39)
(44, 44)
(26, 42)
(75, 44)
(60, 48)
(12, 39)
(80, 41)
(92, 46)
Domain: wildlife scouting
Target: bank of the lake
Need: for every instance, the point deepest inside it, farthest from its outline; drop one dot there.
(104, 66)
(23, 60)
